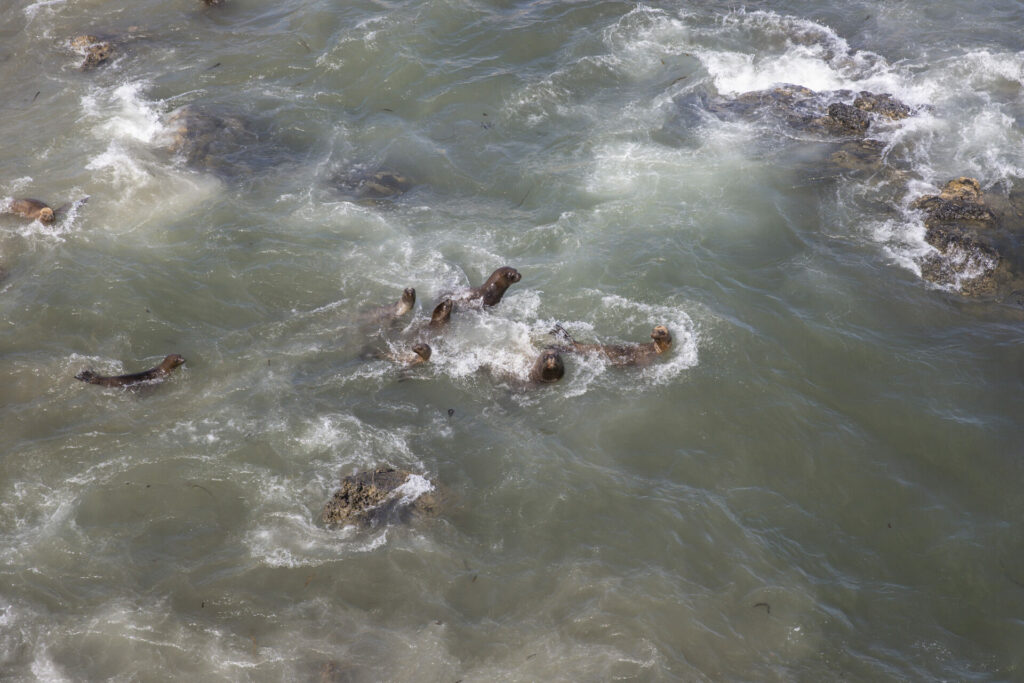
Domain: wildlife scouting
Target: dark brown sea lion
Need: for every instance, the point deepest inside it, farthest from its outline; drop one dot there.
(157, 374)
(622, 354)
(32, 209)
(377, 495)
(442, 314)
(548, 367)
(490, 292)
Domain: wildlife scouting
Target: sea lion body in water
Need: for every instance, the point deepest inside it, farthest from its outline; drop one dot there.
(547, 369)
(421, 353)
(32, 209)
(383, 316)
(442, 315)
(40, 211)
(156, 374)
(491, 291)
(622, 354)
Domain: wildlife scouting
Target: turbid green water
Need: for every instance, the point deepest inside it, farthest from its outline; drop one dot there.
(821, 481)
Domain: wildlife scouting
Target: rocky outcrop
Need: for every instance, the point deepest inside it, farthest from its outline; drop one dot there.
(976, 251)
(829, 112)
(378, 496)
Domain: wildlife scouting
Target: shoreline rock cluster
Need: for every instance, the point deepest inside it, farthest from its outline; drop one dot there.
(977, 238)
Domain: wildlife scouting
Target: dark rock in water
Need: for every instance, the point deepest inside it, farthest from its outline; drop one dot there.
(960, 201)
(226, 144)
(882, 104)
(99, 49)
(382, 184)
(804, 109)
(977, 255)
(95, 50)
(963, 262)
(847, 119)
(379, 496)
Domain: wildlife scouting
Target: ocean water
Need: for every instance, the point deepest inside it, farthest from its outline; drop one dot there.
(820, 481)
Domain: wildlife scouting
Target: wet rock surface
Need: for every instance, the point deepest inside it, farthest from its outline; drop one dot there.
(379, 496)
(838, 112)
(978, 251)
(99, 49)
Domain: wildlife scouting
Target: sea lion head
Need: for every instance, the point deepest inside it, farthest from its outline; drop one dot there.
(407, 300)
(172, 361)
(422, 350)
(46, 214)
(549, 367)
(662, 338)
(505, 275)
(442, 313)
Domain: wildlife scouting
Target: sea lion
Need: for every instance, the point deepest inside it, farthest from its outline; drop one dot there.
(421, 353)
(548, 367)
(31, 208)
(442, 315)
(157, 374)
(622, 354)
(383, 316)
(491, 291)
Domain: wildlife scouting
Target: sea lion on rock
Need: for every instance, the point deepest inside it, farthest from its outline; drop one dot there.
(491, 291)
(379, 495)
(623, 354)
(157, 374)
(32, 209)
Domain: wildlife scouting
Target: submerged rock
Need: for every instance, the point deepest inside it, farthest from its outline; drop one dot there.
(226, 144)
(371, 187)
(380, 495)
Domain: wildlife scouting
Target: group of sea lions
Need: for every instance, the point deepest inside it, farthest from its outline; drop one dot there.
(548, 366)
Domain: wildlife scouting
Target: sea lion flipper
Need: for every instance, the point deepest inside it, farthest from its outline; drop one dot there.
(560, 331)
(67, 206)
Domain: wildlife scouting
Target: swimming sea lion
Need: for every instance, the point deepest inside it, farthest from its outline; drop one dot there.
(421, 353)
(442, 314)
(385, 315)
(622, 354)
(548, 367)
(31, 208)
(159, 373)
(490, 292)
